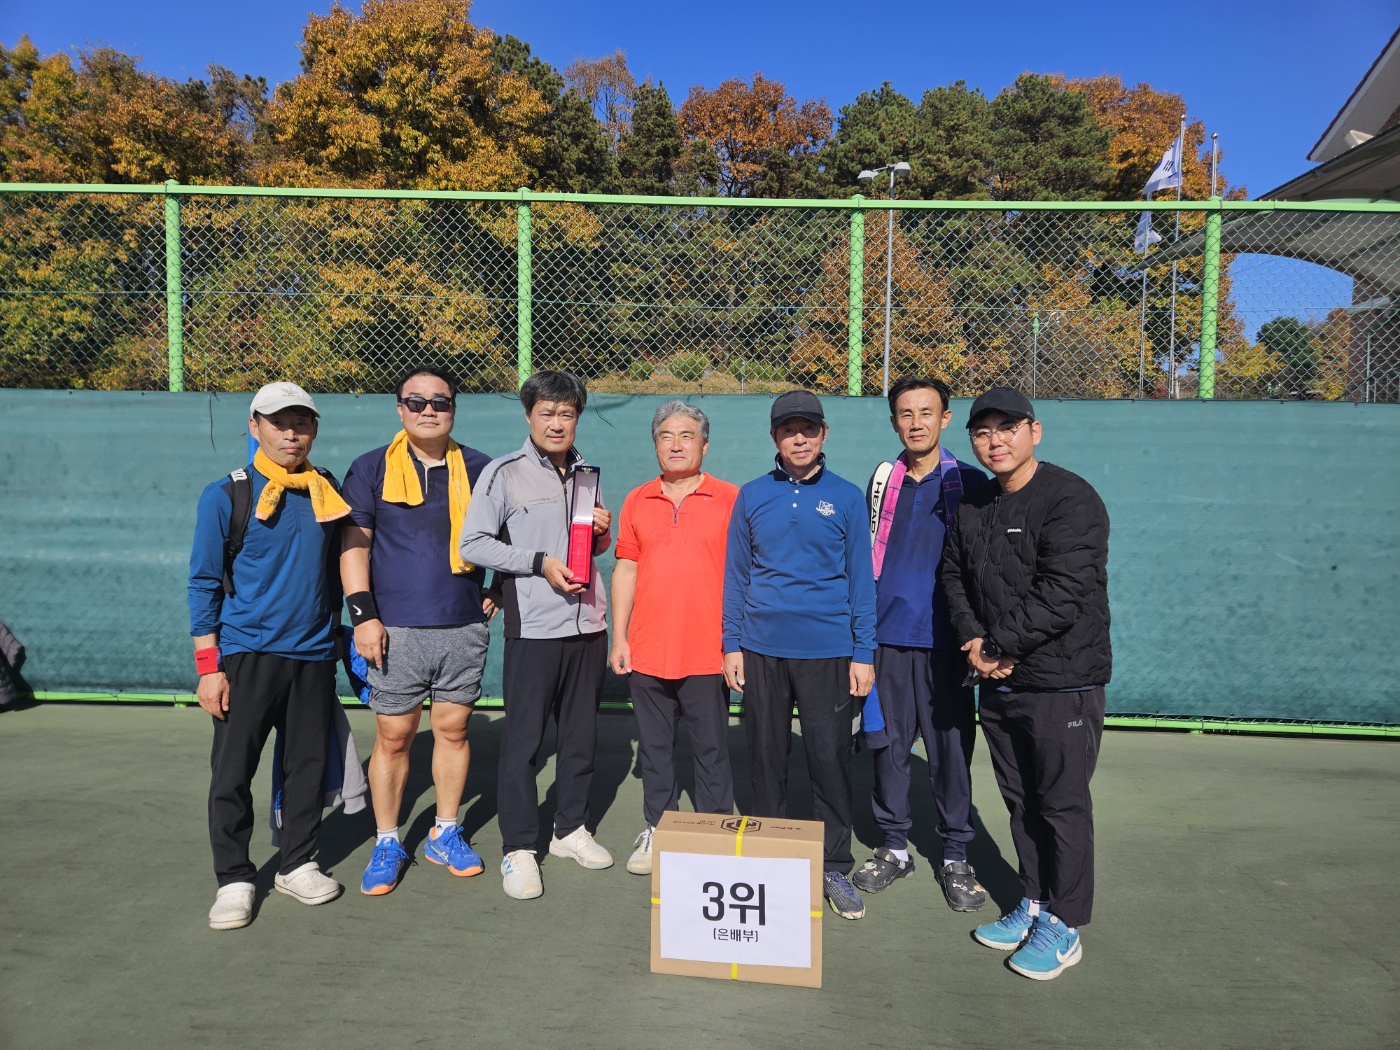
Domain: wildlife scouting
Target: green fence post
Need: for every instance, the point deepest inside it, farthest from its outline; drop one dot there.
(523, 320)
(855, 318)
(174, 293)
(1210, 304)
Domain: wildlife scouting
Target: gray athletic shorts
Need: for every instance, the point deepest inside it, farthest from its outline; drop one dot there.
(441, 663)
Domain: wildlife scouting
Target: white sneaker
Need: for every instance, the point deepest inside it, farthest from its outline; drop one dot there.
(309, 885)
(233, 907)
(579, 845)
(640, 861)
(520, 875)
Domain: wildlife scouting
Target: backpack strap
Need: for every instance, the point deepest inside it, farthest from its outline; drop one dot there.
(240, 490)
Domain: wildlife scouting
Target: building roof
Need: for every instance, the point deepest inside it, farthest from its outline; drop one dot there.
(1371, 109)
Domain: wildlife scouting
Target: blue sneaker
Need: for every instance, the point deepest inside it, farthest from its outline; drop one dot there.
(450, 849)
(841, 895)
(1052, 947)
(1009, 931)
(386, 866)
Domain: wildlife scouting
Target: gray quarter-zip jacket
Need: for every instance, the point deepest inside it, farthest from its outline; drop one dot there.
(519, 513)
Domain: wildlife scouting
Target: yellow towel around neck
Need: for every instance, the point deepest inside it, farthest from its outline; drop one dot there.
(326, 503)
(401, 485)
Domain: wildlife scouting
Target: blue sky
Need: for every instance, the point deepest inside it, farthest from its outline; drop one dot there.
(1268, 76)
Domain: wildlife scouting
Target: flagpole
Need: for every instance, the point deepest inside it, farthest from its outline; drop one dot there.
(1142, 329)
(1176, 237)
(1214, 160)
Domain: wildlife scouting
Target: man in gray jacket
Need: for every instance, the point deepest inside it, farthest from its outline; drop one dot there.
(556, 645)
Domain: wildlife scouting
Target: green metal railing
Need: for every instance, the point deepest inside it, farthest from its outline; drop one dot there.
(1062, 257)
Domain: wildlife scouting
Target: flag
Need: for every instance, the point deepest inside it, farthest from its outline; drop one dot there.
(1168, 173)
(1145, 236)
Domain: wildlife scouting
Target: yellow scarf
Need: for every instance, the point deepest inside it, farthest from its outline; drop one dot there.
(401, 485)
(325, 500)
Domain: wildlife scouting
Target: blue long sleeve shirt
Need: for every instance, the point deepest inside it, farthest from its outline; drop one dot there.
(798, 582)
(285, 579)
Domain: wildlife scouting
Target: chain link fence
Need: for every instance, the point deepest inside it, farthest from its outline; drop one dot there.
(145, 288)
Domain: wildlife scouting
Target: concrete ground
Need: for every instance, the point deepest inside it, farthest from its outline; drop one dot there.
(1246, 899)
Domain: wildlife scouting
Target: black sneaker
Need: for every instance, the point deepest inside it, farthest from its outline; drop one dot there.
(844, 900)
(880, 871)
(960, 886)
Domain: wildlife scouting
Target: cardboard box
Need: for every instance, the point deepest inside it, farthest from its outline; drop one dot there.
(737, 898)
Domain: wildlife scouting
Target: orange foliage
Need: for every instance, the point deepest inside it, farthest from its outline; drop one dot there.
(747, 124)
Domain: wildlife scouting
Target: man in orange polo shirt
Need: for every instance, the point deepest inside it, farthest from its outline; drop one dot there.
(667, 603)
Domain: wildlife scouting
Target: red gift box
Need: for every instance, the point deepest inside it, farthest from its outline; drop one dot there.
(583, 499)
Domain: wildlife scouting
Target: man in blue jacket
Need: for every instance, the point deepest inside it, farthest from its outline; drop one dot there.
(919, 670)
(264, 646)
(799, 627)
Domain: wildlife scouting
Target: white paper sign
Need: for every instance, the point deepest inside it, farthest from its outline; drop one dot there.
(751, 910)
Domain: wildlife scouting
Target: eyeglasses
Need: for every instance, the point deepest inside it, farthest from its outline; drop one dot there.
(1005, 431)
(416, 404)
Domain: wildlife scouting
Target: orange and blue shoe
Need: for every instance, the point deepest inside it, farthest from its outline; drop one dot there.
(451, 849)
(386, 866)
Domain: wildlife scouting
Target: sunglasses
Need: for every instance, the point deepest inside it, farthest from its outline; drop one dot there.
(416, 404)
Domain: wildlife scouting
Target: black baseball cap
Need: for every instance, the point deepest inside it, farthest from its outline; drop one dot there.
(1001, 399)
(796, 404)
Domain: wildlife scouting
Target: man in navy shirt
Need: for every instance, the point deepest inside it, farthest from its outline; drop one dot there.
(420, 616)
(919, 669)
(799, 627)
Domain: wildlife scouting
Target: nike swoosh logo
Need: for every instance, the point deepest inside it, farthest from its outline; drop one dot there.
(355, 609)
(1063, 955)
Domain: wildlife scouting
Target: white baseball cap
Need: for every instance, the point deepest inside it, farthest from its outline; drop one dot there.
(276, 396)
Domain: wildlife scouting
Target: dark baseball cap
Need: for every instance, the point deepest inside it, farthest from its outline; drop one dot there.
(1001, 399)
(796, 404)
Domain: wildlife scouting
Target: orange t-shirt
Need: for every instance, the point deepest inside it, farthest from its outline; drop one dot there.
(679, 550)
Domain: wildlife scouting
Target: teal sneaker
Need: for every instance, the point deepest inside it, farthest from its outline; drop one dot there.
(1052, 947)
(452, 850)
(1009, 931)
(386, 866)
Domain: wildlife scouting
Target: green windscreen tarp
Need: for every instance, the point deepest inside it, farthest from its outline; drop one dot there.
(1254, 558)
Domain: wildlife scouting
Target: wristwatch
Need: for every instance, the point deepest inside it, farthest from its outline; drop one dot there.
(990, 651)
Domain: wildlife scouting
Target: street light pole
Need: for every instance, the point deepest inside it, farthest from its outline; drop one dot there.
(895, 168)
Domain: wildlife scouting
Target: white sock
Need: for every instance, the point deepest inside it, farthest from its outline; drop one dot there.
(902, 854)
(1036, 908)
(443, 823)
(391, 833)
(946, 862)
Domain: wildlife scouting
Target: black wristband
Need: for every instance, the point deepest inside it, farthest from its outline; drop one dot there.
(362, 607)
(538, 567)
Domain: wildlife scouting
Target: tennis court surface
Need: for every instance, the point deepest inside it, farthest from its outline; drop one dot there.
(1246, 898)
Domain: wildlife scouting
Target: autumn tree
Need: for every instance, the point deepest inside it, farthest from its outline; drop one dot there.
(107, 120)
(577, 153)
(406, 94)
(1143, 123)
(747, 126)
(607, 85)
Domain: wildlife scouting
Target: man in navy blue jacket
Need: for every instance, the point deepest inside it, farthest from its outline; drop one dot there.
(799, 627)
(919, 670)
(265, 648)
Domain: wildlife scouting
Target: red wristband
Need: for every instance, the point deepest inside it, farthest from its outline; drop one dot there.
(208, 661)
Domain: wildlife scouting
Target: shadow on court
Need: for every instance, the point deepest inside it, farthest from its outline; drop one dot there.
(1244, 890)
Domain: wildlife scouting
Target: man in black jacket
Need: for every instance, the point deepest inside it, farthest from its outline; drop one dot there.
(1026, 577)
